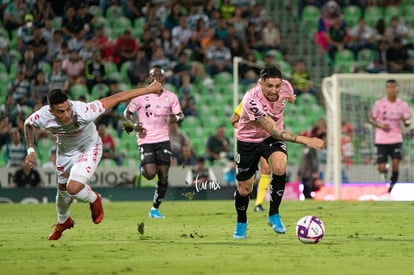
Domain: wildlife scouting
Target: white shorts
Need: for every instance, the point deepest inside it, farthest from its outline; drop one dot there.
(79, 165)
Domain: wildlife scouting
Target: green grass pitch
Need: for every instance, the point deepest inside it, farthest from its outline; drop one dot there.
(196, 238)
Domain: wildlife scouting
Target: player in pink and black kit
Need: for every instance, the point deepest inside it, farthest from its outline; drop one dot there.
(387, 115)
(79, 148)
(155, 112)
(261, 133)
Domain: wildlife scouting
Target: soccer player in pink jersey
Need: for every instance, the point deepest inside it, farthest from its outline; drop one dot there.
(386, 116)
(261, 133)
(155, 112)
(79, 148)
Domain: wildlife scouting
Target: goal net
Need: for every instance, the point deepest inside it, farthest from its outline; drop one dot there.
(350, 151)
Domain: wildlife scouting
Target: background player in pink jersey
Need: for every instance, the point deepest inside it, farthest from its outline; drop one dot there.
(261, 133)
(79, 147)
(387, 115)
(155, 112)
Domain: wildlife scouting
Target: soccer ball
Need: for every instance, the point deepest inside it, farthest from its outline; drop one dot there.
(310, 229)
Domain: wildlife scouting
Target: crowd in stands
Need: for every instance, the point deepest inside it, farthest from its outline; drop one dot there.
(385, 42)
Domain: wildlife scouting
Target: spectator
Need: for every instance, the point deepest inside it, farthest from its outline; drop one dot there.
(63, 52)
(200, 174)
(19, 87)
(399, 29)
(74, 67)
(86, 52)
(39, 45)
(196, 12)
(86, 19)
(337, 37)
(108, 145)
(29, 64)
(398, 58)
(173, 18)
(218, 145)
(47, 30)
(158, 58)
(24, 33)
(13, 111)
(57, 79)
(15, 150)
(165, 42)
(252, 36)
(239, 23)
(227, 9)
(379, 64)
(53, 46)
(186, 157)
(301, 80)
(178, 140)
(187, 101)
(320, 129)
(77, 42)
(270, 37)
(104, 45)
(40, 88)
(5, 57)
(361, 37)
(181, 34)
(13, 16)
(95, 71)
(25, 177)
(133, 9)
(5, 127)
(247, 70)
(218, 58)
(42, 11)
(126, 47)
(138, 69)
(70, 24)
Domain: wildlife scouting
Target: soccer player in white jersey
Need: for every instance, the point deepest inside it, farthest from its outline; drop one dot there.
(386, 116)
(155, 112)
(79, 147)
(261, 133)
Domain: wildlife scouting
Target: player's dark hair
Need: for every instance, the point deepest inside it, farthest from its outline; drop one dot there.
(392, 81)
(270, 72)
(56, 97)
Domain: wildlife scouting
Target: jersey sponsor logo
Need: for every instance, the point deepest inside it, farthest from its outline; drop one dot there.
(82, 158)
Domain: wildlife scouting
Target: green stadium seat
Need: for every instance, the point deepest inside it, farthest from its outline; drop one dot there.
(372, 14)
(310, 17)
(223, 78)
(278, 56)
(364, 58)
(391, 11)
(78, 90)
(99, 91)
(344, 61)
(352, 14)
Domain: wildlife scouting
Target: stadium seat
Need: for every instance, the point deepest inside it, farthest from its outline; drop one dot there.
(114, 12)
(99, 91)
(344, 61)
(78, 90)
(110, 67)
(364, 58)
(276, 54)
(372, 14)
(95, 10)
(391, 11)
(310, 17)
(352, 14)
(223, 78)
(285, 67)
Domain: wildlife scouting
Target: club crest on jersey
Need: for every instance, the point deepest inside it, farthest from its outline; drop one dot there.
(283, 102)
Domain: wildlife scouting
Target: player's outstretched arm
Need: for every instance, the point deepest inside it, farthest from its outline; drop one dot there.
(111, 101)
(29, 134)
(268, 124)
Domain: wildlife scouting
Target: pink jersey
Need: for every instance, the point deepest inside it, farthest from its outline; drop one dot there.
(153, 112)
(256, 107)
(391, 113)
(77, 136)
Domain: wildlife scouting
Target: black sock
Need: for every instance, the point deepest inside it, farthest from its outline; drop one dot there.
(241, 204)
(159, 194)
(394, 177)
(277, 188)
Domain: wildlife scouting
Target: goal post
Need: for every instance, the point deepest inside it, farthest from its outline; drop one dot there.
(349, 98)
